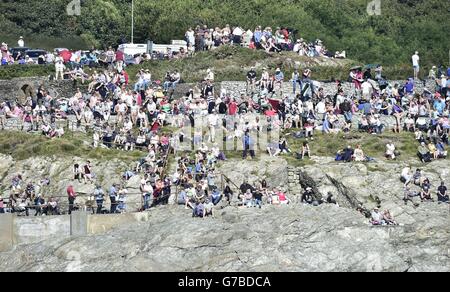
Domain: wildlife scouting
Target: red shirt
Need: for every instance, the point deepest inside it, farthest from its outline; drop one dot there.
(71, 192)
(232, 108)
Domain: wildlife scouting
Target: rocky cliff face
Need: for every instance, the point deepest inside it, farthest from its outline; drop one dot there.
(290, 238)
(294, 238)
(60, 172)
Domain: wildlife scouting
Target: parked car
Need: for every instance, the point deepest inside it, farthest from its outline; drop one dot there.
(34, 55)
(15, 52)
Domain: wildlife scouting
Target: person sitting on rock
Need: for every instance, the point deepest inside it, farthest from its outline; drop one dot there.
(442, 194)
(198, 210)
(208, 209)
(390, 151)
(348, 154)
(409, 195)
(330, 199)
(284, 200)
(406, 175)
(245, 186)
(424, 153)
(388, 218)
(358, 155)
(308, 196)
(258, 197)
(418, 178)
(247, 199)
(425, 194)
(377, 217)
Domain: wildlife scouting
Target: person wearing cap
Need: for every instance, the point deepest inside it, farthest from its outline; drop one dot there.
(376, 217)
(432, 73)
(415, 60)
(443, 84)
(21, 42)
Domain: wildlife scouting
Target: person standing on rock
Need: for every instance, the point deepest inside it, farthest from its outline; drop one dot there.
(71, 196)
(59, 68)
(113, 198)
(248, 146)
(147, 193)
(99, 196)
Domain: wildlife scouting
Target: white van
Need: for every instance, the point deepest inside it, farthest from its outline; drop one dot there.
(133, 49)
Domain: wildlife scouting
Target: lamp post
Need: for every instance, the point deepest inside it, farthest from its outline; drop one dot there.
(132, 21)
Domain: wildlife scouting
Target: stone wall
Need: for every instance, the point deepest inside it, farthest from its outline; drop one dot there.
(17, 88)
(330, 88)
(15, 230)
(31, 229)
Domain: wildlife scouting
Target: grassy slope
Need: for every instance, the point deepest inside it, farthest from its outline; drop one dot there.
(22, 146)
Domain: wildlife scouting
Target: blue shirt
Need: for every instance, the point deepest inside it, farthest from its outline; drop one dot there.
(409, 87)
(279, 76)
(439, 105)
(257, 35)
(112, 191)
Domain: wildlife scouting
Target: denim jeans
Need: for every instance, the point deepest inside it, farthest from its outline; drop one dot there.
(216, 200)
(258, 202)
(147, 201)
(99, 206)
(348, 116)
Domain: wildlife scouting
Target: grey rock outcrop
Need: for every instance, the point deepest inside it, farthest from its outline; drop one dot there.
(296, 238)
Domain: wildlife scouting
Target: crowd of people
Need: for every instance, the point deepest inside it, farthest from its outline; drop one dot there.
(133, 117)
(418, 185)
(203, 38)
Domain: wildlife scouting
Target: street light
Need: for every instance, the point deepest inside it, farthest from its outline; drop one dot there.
(132, 21)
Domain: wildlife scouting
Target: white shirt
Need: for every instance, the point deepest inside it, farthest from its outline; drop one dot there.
(366, 87)
(212, 120)
(406, 172)
(390, 148)
(60, 66)
(321, 108)
(21, 43)
(238, 31)
(415, 60)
